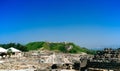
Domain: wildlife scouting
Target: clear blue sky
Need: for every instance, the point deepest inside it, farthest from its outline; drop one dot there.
(89, 23)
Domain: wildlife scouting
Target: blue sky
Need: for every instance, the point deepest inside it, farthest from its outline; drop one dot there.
(89, 23)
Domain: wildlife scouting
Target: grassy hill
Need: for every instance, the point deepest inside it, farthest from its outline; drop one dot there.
(61, 47)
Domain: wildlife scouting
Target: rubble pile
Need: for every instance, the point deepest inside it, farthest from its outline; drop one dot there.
(22, 63)
(37, 61)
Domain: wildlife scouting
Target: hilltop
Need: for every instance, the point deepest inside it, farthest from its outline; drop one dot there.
(59, 47)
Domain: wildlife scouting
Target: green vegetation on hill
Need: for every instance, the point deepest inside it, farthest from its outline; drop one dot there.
(59, 47)
(34, 45)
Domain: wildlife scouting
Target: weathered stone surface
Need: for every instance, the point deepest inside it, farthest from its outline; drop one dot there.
(38, 61)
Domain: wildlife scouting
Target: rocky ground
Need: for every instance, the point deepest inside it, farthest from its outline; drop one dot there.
(29, 62)
(23, 63)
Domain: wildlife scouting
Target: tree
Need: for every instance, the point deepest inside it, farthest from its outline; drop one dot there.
(9, 52)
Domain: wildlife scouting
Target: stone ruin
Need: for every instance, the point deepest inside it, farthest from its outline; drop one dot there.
(108, 59)
(108, 55)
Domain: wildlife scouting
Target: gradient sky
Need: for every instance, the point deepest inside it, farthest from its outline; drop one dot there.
(89, 23)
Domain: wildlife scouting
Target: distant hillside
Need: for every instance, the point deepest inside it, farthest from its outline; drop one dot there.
(60, 47)
(15, 45)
